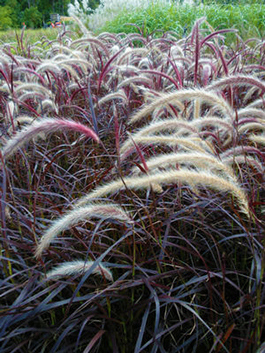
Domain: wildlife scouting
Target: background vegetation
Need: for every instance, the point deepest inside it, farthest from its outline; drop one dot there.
(248, 19)
(34, 13)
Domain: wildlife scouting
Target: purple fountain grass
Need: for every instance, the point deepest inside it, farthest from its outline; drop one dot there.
(187, 143)
(78, 267)
(171, 125)
(176, 126)
(44, 126)
(162, 74)
(31, 95)
(188, 177)
(30, 71)
(241, 150)
(251, 112)
(135, 52)
(191, 258)
(33, 86)
(259, 139)
(183, 95)
(49, 66)
(214, 122)
(120, 94)
(141, 80)
(203, 161)
(242, 159)
(251, 126)
(258, 103)
(237, 80)
(20, 120)
(76, 62)
(78, 214)
(91, 40)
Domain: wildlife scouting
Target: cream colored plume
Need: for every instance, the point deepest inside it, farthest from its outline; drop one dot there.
(78, 267)
(187, 143)
(177, 97)
(75, 216)
(188, 177)
(200, 160)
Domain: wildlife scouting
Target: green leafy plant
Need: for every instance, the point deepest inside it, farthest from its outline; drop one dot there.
(32, 17)
(5, 15)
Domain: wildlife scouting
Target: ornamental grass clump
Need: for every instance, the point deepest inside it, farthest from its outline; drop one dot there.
(132, 193)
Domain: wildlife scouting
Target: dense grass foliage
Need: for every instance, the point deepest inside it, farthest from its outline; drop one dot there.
(132, 193)
(248, 19)
(38, 37)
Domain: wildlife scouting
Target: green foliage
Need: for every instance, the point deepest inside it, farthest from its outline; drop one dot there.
(232, 2)
(6, 19)
(21, 11)
(15, 15)
(31, 36)
(248, 19)
(32, 17)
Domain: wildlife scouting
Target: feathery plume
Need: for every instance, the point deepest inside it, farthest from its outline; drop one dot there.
(200, 160)
(20, 120)
(185, 176)
(10, 110)
(239, 150)
(31, 95)
(169, 140)
(33, 87)
(90, 40)
(258, 103)
(240, 159)
(251, 126)
(213, 121)
(47, 104)
(139, 52)
(120, 94)
(70, 70)
(77, 215)
(78, 267)
(197, 109)
(44, 126)
(188, 94)
(158, 126)
(49, 66)
(260, 139)
(237, 80)
(84, 64)
(140, 80)
(251, 112)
